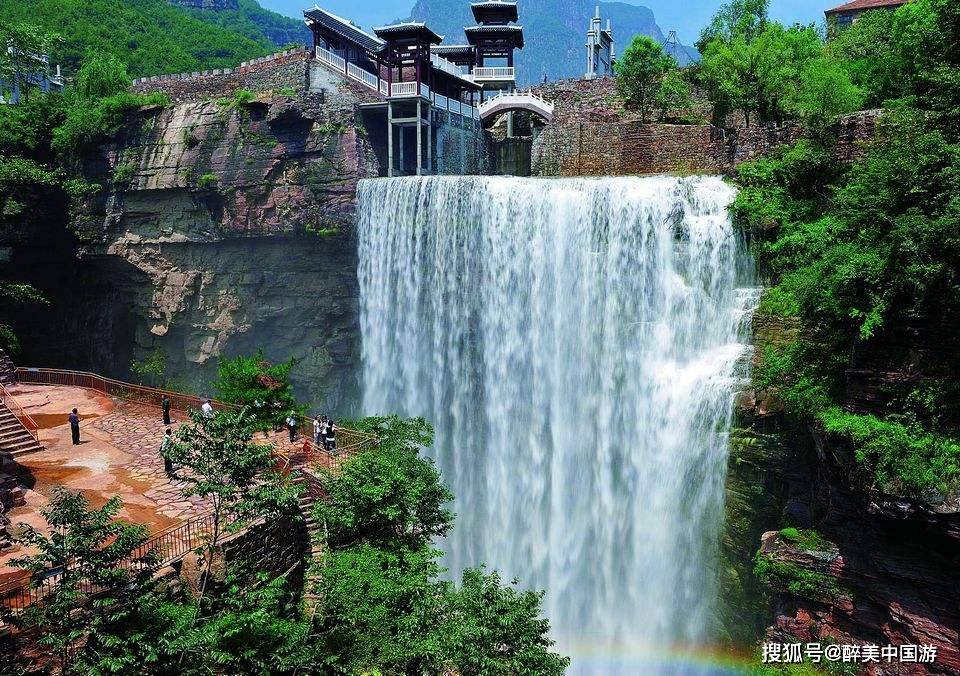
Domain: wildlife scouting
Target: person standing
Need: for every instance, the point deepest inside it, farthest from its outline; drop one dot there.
(330, 437)
(207, 409)
(165, 447)
(317, 431)
(74, 419)
(165, 405)
(292, 426)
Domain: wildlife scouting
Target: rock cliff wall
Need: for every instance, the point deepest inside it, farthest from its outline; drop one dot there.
(224, 225)
(837, 562)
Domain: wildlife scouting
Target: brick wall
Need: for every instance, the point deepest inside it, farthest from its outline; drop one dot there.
(289, 69)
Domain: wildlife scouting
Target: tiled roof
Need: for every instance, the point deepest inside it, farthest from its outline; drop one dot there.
(408, 29)
(863, 5)
(514, 33)
(506, 10)
(345, 28)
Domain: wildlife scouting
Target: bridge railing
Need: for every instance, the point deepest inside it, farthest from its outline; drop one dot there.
(17, 410)
(516, 99)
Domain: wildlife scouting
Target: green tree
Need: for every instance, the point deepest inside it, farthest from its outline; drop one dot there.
(824, 91)
(743, 19)
(382, 604)
(101, 75)
(256, 383)
(874, 56)
(91, 549)
(672, 96)
(389, 497)
(235, 475)
(20, 59)
(640, 71)
(493, 628)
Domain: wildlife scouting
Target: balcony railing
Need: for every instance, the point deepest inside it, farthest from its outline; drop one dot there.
(498, 73)
(403, 89)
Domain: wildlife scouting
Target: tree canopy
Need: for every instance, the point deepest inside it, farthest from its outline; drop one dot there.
(642, 77)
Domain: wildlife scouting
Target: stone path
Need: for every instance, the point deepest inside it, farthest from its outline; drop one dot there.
(138, 430)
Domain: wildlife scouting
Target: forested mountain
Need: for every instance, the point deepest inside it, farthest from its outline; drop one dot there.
(152, 37)
(555, 31)
(257, 23)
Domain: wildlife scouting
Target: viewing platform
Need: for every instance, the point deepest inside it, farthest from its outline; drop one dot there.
(121, 431)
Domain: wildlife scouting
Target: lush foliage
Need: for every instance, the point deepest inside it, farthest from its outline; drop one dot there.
(769, 73)
(642, 77)
(90, 547)
(391, 497)
(865, 259)
(259, 385)
(385, 607)
(158, 38)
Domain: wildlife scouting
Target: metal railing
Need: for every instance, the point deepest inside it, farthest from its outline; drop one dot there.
(494, 73)
(29, 424)
(166, 547)
(348, 440)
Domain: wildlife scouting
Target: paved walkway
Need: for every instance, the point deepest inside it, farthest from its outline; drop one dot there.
(118, 455)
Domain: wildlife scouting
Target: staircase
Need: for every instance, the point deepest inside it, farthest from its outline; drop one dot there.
(314, 531)
(15, 440)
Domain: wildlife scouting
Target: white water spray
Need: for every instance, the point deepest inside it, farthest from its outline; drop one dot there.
(576, 344)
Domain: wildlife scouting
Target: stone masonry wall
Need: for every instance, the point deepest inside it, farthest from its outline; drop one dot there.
(592, 134)
(288, 69)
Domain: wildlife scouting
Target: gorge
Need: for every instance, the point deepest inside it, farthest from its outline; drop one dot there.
(578, 344)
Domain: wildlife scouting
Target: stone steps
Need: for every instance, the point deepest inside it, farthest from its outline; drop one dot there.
(15, 440)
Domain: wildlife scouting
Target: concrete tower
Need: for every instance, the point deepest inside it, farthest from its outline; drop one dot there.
(599, 48)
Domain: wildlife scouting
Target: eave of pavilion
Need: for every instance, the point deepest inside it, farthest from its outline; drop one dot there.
(510, 37)
(494, 11)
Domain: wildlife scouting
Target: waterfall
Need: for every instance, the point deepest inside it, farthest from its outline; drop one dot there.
(577, 343)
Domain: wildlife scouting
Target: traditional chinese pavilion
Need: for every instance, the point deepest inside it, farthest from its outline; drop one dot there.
(420, 82)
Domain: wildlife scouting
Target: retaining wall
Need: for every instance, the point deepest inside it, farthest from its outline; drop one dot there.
(288, 69)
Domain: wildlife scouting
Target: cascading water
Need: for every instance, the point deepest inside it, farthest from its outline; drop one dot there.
(576, 344)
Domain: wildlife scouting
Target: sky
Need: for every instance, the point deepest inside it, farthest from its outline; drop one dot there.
(687, 17)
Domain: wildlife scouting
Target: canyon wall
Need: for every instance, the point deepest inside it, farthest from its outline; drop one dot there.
(838, 561)
(223, 225)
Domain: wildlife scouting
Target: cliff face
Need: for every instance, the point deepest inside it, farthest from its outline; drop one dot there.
(836, 562)
(225, 226)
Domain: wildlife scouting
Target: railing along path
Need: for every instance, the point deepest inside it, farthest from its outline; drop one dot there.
(170, 544)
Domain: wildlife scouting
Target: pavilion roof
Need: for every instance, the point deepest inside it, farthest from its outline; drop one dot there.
(864, 5)
(494, 10)
(410, 30)
(512, 34)
(343, 27)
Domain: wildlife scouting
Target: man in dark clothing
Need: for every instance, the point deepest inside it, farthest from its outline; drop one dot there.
(165, 446)
(292, 425)
(166, 409)
(75, 427)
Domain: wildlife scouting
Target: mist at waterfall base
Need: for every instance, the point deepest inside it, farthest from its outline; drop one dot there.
(577, 344)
